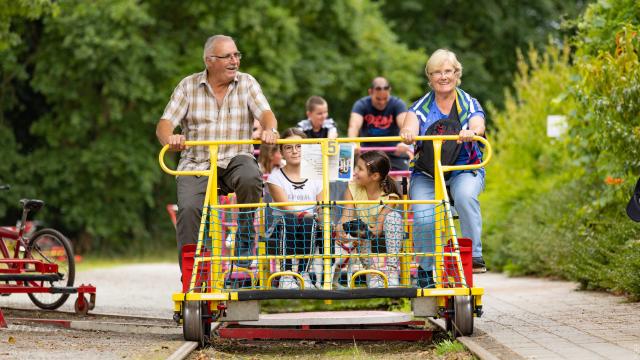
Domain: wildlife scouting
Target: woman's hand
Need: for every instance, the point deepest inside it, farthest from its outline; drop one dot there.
(466, 136)
(408, 136)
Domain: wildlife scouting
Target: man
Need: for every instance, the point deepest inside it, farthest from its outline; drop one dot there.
(219, 103)
(380, 114)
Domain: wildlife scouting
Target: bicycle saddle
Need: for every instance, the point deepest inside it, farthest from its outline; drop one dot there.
(32, 204)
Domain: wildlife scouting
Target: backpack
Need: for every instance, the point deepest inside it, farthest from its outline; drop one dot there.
(450, 149)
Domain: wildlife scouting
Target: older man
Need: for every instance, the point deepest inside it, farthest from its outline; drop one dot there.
(380, 114)
(219, 103)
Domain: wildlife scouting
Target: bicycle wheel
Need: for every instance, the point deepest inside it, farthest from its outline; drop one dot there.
(51, 247)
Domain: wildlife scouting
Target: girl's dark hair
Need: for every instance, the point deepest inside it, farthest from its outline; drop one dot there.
(378, 162)
(291, 132)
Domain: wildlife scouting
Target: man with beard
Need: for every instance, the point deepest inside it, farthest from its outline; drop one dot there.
(380, 114)
(219, 103)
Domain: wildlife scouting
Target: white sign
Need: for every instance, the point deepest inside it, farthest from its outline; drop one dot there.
(340, 164)
(556, 125)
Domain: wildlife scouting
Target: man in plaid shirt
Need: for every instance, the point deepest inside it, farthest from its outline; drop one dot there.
(219, 103)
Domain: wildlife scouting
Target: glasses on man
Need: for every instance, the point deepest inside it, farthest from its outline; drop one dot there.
(290, 148)
(439, 74)
(381, 88)
(228, 57)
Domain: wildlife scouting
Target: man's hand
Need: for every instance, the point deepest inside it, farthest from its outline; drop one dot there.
(269, 136)
(176, 142)
(403, 149)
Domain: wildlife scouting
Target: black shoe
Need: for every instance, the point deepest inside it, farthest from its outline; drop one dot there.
(425, 279)
(479, 266)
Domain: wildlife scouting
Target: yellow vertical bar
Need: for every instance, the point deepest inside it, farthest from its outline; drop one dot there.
(262, 264)
(216, 239)
(439, 215)
(405, 260)
(326, 220)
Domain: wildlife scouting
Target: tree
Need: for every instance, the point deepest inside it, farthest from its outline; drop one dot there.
(484, 34)
(99, 74)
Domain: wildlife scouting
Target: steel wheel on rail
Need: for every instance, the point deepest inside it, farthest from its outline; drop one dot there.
(462, 315)
(195, 326)
(51, 247)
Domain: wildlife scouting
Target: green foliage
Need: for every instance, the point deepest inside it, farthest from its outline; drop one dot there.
(564, 216)
(447, 346)
(84, 83)
(484, 34)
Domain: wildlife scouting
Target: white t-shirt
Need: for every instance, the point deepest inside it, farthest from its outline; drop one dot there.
(305, 190)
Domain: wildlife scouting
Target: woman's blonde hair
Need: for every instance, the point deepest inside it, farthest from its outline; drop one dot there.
(440, 57)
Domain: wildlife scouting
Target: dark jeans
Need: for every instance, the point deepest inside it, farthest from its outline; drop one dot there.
(243, 177)
(298, 240)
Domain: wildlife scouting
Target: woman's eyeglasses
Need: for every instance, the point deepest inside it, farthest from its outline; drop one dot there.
(439, 74)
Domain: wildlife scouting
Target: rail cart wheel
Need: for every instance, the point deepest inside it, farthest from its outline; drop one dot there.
(194, 326)
(51, 247)
(448, 318)
(82, 305)
(462, 315)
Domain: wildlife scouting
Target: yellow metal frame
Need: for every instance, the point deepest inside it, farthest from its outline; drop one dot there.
(444, 225)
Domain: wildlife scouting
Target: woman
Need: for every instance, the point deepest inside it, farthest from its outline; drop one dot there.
(443, 72)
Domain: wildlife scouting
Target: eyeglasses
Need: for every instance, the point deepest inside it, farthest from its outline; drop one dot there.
(228, 57)
(439, 74)
(290, 148)
(380, 88)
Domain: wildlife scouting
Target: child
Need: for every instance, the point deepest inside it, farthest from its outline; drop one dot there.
(317, 125)
(269, 158)
(372, 182)
(285, 185)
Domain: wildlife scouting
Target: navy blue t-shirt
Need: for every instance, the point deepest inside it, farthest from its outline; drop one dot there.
(379, 123)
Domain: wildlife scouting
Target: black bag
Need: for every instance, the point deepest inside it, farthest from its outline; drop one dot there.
(633, 207)
(450, 149)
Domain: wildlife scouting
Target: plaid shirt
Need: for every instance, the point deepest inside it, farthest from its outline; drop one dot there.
(194, 108)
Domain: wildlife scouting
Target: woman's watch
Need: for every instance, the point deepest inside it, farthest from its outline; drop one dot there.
(273, 130)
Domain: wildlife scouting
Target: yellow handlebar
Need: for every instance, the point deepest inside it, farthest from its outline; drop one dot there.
(487, 153)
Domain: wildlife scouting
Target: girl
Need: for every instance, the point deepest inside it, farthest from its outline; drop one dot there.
(286, 185)
(372, 182)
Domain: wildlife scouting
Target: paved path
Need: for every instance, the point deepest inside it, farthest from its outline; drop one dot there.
(135, 290)
(544, 319)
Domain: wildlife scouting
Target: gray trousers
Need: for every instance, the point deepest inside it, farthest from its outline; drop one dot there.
(243, 177)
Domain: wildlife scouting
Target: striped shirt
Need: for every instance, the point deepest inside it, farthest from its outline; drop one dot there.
(194, 108)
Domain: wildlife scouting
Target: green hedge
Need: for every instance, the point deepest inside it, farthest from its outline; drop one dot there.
(557, 207)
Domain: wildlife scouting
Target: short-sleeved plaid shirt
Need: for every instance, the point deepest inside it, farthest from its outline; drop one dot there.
(194, 108)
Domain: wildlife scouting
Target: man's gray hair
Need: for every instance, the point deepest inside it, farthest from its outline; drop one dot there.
(211, 42)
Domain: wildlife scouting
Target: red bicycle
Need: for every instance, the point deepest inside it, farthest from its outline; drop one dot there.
(41, 264)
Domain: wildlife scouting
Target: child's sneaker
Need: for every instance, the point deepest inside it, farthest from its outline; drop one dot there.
(308, 284)
(289, 283)
(375, 282)
(479, 266)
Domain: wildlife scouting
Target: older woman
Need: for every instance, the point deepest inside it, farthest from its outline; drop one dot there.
(446, 100)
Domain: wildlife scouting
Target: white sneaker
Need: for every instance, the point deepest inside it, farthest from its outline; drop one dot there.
(308, 284)
(375, 282)
(288, 282)
(394, 279)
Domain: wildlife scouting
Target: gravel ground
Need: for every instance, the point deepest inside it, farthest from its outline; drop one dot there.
(25, 341)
